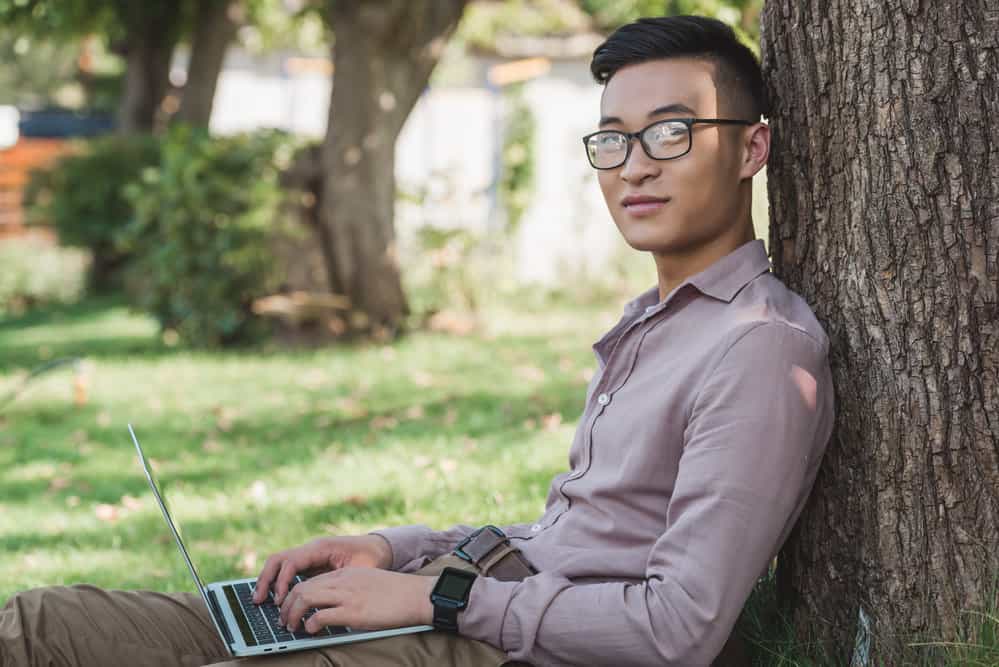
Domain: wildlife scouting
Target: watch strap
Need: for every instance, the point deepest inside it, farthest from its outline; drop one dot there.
(490, 551)
(445, 617)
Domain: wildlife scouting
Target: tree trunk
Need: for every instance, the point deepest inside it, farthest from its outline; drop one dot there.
(884, 206)
(384, 53)
(216, 22)
(151, 38)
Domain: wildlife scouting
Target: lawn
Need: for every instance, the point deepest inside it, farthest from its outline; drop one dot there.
(262, 449)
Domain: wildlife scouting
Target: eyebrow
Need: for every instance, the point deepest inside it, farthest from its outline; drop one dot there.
(669, 108)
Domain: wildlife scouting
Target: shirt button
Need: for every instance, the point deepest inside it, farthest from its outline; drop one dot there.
(536, 527)
(603, 399)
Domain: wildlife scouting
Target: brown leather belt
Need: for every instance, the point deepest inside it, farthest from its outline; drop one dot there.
(489, 550)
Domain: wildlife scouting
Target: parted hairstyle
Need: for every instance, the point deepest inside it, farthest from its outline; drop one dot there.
(737, 71)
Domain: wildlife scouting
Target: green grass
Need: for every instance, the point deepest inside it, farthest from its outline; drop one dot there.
(431, 429)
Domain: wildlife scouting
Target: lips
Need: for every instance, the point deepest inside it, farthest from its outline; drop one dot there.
(642, 205)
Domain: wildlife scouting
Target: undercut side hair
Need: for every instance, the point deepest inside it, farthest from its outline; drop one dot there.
(737, 71)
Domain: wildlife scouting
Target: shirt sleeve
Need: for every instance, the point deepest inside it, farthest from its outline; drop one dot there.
(757, 430)
(414, 546)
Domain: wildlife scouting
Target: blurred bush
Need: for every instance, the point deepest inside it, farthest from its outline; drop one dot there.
(82, 196)
(35, 272)
(517, 180)
(205, 222)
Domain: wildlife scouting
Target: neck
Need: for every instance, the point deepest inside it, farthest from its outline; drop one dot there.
(675, 267)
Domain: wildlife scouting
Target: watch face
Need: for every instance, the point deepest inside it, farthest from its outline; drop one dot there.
(455, 586)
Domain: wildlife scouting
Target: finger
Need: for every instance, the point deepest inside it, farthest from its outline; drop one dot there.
(285, 612)
(336, 615)
(265, 578)
(299, 604)
(285, 577)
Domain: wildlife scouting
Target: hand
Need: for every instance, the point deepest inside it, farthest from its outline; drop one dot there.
(322, 554)
(360, 598)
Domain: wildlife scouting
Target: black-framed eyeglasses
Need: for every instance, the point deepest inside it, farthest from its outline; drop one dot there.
(662, 140)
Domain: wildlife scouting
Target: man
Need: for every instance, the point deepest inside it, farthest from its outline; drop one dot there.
(699, 442)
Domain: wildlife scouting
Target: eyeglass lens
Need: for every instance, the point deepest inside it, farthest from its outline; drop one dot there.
(661, 141)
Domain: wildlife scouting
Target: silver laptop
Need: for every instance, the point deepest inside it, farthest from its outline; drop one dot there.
(244, 627)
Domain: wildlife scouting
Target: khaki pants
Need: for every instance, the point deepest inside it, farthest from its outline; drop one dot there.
(84, 625)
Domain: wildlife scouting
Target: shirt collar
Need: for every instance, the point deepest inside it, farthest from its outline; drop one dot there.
(726, 277)
(722, 280)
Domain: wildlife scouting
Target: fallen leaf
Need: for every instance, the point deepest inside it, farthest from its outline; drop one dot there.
(106, 512)
(72, 501)
(551, 422)
(211, 446)
(421, 461)
(356, 500)
(454, 323)
(383, 423)
(586, 374)
(388, 353)
(450, 416)
(530, 373)
(130, 503)
(530, 424)
(313, 379)
(565, 364)
(421, 379)
(59, 483)
(224, 416)
(248, 562)
(448, 465)
(323, 421)
(498, 498)
(351, 407)
(103, 419)
(415, 412)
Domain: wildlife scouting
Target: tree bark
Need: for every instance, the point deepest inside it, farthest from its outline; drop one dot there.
(151, 37)
(384, 53)
(216, 22)
(884, 206)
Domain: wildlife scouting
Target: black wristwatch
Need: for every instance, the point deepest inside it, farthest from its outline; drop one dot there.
(450, 595)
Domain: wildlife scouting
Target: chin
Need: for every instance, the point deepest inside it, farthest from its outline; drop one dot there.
(656, 243)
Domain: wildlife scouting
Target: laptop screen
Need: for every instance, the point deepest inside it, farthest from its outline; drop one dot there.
(161, 501)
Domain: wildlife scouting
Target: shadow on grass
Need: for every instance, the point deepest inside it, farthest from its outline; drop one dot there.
(97, 327)
(250, 449)
(135, 529)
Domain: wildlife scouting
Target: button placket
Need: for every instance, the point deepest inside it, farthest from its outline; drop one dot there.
(603, 399)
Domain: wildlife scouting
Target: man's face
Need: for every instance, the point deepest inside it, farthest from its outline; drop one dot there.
(701, 187)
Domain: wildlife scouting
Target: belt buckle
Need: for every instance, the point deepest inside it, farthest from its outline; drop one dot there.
(459, 550)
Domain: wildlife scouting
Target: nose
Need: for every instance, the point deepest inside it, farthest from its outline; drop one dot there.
(639, 166)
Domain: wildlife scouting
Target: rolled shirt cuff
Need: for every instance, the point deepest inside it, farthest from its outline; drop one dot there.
(485, 618)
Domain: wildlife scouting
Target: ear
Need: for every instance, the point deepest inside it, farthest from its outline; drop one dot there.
(755, 149)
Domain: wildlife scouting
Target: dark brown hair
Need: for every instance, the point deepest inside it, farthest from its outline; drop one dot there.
(737, 71)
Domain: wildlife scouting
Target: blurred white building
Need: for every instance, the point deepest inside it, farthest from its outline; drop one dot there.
(449, 150)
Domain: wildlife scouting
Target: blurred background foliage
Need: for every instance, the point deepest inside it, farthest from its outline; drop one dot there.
(163, 201)
(159, 198)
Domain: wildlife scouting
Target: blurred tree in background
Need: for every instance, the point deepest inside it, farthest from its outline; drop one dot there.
(144, 34)
(383, 53)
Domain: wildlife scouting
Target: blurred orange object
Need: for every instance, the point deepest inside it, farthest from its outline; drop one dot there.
(81, 381)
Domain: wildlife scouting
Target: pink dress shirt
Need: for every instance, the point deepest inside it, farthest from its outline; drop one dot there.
(699, 442)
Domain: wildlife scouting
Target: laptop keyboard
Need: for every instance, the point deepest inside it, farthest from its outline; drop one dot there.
(265, 621)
